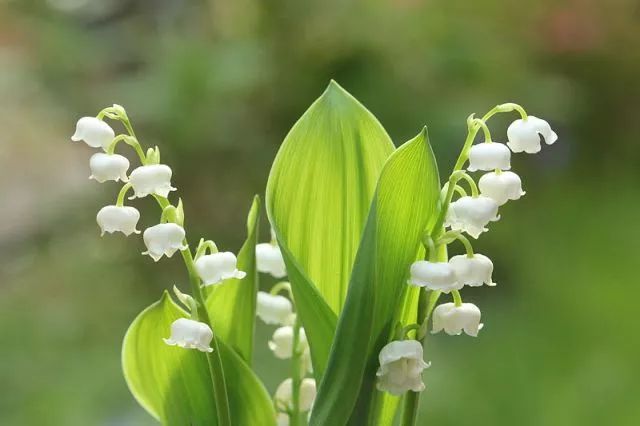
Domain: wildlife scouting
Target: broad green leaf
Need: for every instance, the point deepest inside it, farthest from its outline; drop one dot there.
(232, 304)
(318, 195)
(173, 384)
(403, 208)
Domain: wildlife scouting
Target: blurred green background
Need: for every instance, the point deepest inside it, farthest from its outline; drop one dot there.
(218, 84)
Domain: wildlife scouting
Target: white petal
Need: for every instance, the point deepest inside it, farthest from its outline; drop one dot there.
(434, 276)
(151, 179)
(105, 167)
(118, 219)
(94, 132)
(269, 260)
(489, 156)
(163, 239)
(190, 334)
(501, 187)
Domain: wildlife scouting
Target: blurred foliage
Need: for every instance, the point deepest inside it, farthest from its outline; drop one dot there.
(218, 84)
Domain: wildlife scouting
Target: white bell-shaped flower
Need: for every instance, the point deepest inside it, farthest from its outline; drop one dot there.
(434, 276)
(489, 156)
(106, 167)
(163, 239)
(454, 319)
(190, 334)
(269, 260)
(524, 134)
(151, 179)
(473, 271)
(217, 267)
(472, 214)
(284, 394)
(273, 309)
(401, 366)
(95, 132)
(118, 219)
(281, 344)
(501, 187)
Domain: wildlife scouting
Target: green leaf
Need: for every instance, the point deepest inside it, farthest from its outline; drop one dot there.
(404, 207)
(173, 384)
(318, 195)
(232, 304)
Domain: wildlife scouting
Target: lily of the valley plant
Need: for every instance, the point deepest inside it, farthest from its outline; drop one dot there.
(361, 231)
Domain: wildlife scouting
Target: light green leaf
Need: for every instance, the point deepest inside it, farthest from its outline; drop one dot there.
(232, 304)
(403, 208)
(318, 195)
(173, 384)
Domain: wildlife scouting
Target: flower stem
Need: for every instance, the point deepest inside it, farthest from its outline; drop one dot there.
(426, 303)
(296, 377)
(214, 360)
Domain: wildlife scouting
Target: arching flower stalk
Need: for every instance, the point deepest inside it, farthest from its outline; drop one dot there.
(401, 361)
(165, 238)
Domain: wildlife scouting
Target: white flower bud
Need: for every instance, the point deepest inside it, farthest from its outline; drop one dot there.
(190, 334)
(282, 342)
(151, 179)
(163, 239)
(473, 271)
(284, 394)
(273, 309)
(106, 167)
(434, 276)
(454, 319)
(489, 156)
(524, 135)
(118, 219)
(269, 260)
(472, 214)
(502, 187)
(217, 267)
(95, 132)
(401, 366)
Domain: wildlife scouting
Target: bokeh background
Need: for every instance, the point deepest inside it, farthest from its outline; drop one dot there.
(217, 85)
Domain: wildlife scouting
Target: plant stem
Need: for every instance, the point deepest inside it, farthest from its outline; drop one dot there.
(296, 376)
(213, 358)
(412, 399)
(425, 306)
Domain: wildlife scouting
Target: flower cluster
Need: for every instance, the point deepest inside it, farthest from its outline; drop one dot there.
(401, 362)
(289, 341)
(162, 239)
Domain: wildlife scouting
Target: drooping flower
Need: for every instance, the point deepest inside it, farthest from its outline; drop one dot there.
(273, 309)
(501, 187)
(282, 342)
(434, 276)
(106, 167)
(163, 239)
(118, 219)
(524, 134)
(190, 334)
(217, 267)
(401, 366)
(489, 156)
(473, 271)
(472, 214)
(269, 260)
(151, 179)
(284, 394)
(94, 132)
(454, 319)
